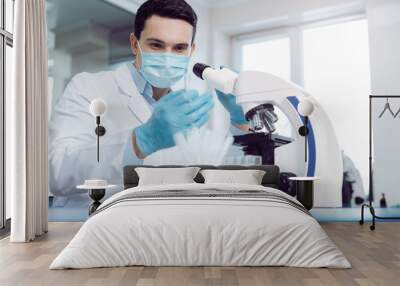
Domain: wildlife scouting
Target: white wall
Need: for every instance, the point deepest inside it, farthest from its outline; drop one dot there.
(203, 47)
(253, 15)
(256, 15)
(384, 35)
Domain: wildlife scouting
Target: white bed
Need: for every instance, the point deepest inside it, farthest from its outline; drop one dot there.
(183, 230)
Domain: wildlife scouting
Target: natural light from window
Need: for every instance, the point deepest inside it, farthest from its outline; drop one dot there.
(271, 56)
(337, 73)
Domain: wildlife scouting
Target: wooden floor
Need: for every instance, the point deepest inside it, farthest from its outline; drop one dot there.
(375, 257)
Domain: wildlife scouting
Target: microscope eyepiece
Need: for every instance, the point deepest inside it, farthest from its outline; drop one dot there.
(199, 68)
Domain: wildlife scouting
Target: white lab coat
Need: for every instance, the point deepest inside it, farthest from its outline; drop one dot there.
(72, 148)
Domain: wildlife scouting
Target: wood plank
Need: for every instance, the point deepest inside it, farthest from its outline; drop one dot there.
(375, 257)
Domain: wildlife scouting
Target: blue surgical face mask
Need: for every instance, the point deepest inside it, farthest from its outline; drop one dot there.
(163, 70)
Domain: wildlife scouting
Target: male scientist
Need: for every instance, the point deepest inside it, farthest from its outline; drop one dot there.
(143, 113)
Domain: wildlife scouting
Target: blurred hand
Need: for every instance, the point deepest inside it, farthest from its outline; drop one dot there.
(175, 112)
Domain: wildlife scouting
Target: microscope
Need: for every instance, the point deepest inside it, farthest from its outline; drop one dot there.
(312, 150)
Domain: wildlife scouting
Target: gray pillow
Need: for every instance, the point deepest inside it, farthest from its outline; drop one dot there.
(163, 176)
(247, 177)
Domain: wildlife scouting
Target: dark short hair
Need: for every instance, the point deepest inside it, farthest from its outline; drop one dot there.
(174, 9)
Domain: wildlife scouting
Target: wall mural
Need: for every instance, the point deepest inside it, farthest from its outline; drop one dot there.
(99, 87)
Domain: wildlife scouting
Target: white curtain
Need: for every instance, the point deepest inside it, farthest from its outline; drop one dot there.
(27, 117)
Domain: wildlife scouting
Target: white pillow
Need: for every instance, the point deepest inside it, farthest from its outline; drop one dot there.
(163, 176)
(248, 177)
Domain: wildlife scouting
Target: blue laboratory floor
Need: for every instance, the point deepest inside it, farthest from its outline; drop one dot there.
(351, 214)
(76, 209)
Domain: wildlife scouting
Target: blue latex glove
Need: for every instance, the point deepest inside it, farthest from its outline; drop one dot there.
(236, 112)
(175, 112)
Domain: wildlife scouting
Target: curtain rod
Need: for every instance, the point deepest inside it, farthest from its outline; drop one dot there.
(384, 96)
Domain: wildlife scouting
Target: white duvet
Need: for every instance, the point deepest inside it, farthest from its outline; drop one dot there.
(200, 231)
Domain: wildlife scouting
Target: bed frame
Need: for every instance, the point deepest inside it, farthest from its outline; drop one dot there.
(273, 177)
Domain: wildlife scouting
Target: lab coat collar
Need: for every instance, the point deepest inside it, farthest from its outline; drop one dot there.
(142, 85)
(137, 104)
(138, 78)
